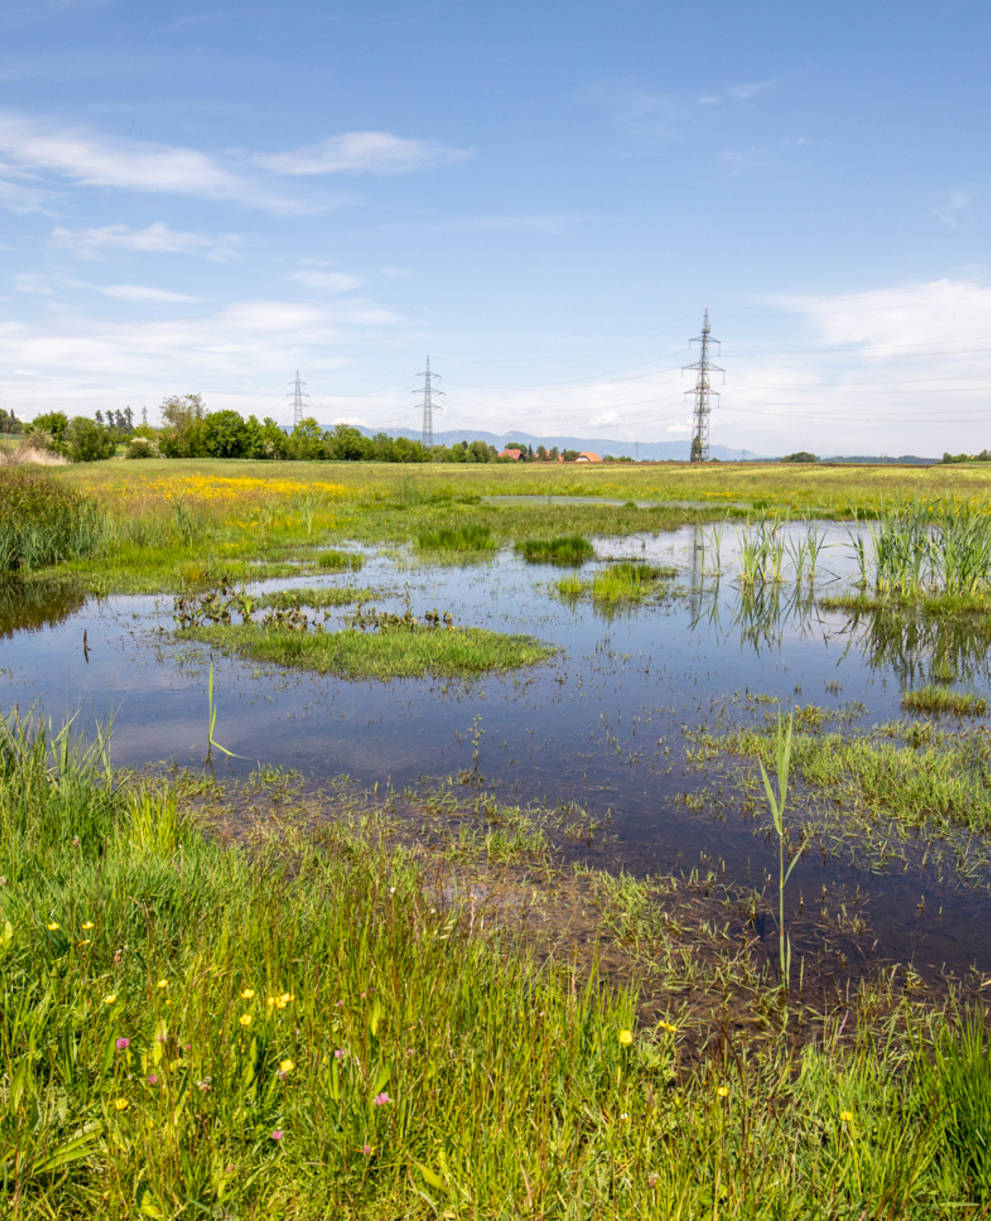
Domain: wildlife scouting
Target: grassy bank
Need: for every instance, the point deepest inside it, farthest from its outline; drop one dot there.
(303, 1030)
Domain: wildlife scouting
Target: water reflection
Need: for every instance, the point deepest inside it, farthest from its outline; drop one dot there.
(33, 605)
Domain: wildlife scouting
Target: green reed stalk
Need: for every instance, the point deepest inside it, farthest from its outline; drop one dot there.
(783, 743)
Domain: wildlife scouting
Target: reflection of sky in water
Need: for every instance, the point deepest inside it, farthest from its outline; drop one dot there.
(601, 723)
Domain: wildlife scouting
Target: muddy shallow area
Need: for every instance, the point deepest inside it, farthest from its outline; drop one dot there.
(604, 725)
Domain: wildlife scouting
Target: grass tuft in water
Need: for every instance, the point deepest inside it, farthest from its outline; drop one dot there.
(627, 582)
(572, 549)
(471, 537)
(392, 651)
(934, 699)
(338, 561)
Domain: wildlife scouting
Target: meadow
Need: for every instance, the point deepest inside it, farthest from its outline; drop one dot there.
(246, 997)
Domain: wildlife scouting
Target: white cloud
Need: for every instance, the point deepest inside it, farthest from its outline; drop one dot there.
(157, 238)
(328, 281)
(361, 152)
(140, 292)
(94, 159)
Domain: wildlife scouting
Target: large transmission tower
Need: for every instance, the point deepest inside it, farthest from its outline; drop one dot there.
(702, 392)
(429, 406)
(297, 394)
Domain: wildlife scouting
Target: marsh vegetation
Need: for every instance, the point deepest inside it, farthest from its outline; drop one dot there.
(253, 991)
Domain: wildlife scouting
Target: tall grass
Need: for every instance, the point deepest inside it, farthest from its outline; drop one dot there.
(43, 521)
(305, 1031)
(568, 550)
(939, 547)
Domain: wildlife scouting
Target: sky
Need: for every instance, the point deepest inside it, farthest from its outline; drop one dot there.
(542, 197)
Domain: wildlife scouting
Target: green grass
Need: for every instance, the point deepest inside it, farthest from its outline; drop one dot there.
(337, 561)
(43, 521)
(334, 595)
(303, 1030)
(390, 652)
(624, 583)
(914, 775)
(572, 549)
(470, 537)
(935, 699)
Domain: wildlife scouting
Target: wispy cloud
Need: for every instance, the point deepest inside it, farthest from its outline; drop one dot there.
(157, 238)
(141, 292)
(512, 224)
(362, 152)
(327, 281)
(948, 212)
(738, 93)
(92, 158)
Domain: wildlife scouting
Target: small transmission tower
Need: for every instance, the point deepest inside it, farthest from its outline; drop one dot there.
(702, 392)
(297, 394)
(429, 406)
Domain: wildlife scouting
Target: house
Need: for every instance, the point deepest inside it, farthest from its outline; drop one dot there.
(515, 454)
(587, 456)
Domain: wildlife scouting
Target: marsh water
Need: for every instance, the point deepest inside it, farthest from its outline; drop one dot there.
(604, 723)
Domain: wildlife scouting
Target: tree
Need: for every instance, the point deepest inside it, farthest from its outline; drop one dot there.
(801, 455)
(88, 441)
(48, 430)
(223, 434)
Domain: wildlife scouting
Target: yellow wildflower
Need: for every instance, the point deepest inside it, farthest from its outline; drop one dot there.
(163, 983)
(247, 994)
(286, 1066)
(626, 1037)
(110, 998)
(87, 925)
(245, 1019)
(723, 1091)
(52, 925)
(120, 1104)
(846, 1116)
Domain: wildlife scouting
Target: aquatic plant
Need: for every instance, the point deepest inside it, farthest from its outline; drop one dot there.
(467, 536)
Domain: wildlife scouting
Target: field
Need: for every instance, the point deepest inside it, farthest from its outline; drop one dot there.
(590, 955)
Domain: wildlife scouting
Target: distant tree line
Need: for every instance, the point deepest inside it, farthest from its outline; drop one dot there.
(983, 456)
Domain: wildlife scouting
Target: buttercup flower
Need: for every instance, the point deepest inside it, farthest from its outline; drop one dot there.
(723, 1091)
(86, 925)
(626, 1037)
(120, 1104)
(286, 1066)
(110, 998)
(846, 1116)
(247, 994)
(52, 925)
(245, 1019)
(162, 983)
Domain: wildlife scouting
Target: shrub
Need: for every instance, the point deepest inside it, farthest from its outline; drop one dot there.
(141, 447)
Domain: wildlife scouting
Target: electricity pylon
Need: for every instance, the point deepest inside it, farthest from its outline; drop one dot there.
(702, 392)
(428, 404)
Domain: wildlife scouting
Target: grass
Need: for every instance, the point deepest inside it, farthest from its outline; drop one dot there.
(568, 550)
(304, 1028)
(913, 775)
(936, 699)
(332, 595)
(393, 651)
(43, 522)
(339, 561)
(624, 583)
(469, 537)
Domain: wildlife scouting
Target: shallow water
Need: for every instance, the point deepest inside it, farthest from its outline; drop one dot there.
(602, 723)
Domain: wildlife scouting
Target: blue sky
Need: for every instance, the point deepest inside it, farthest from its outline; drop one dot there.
(543, 197)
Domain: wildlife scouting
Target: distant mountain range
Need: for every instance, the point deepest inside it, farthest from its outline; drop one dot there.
(649, 451)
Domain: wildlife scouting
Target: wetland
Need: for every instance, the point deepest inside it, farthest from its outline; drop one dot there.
(537, 705)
